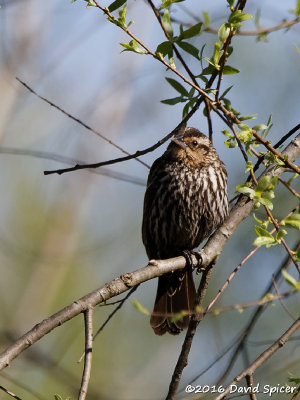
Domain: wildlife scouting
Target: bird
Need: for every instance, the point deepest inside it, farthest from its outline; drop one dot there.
(185, 201)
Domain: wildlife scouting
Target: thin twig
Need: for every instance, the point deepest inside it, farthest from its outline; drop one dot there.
(289, 187)
(276, 146)
(250, 383)
(287, 136)
(267, 144)
(260, 302)
(88, 323)
(230, 277)
(210, 365)
(239, 143)
(78, 120)
(11, 394)
(231, 118)
(209, 121)
(268, 353)
(136, 154)
(115, 310)
(154, 55)
(280, 300)
(222, 63)
(178, 55)
(262, 31)
(120, 304)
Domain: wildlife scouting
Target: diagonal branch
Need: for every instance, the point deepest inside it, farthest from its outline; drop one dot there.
(11, 394)
(77, 120)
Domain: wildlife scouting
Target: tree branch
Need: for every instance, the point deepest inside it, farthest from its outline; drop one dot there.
(78, 120)
(88, 323)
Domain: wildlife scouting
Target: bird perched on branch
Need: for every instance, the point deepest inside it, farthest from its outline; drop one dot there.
(185, 200)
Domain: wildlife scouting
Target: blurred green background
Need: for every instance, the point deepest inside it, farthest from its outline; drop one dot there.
(63, 236)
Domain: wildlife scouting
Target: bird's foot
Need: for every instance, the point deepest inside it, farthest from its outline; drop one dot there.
(188, 255)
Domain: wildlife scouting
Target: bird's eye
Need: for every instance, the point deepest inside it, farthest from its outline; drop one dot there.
(194, 143)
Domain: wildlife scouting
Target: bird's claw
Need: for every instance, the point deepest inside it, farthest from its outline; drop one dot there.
(187, 254)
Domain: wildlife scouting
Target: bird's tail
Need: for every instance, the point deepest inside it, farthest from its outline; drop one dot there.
(176, 293)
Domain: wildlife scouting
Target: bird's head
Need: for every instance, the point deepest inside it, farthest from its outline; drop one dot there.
(192, 148)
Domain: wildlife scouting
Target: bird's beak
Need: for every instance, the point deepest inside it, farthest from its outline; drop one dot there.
(179, 141)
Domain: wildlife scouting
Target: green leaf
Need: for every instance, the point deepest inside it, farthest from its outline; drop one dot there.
(133, 46)
(177, 86)
(136, 304)
(298, 50)
(206, 18)
(208, 70)
(225, 92)
(185, 110)
(237, 16)
(167, 22)
(228, 70)
(263, 241)
(165, 48)
(297, 9)
(167, 3)
(116, 4)
(294, 379)
(171, 62)
(290, 280)
(230, 2)
(217, 54)
(230, 143)
(122, 18)
(260, 127)
(192, 31)
(256, 219)
(249, 166)
(223, 32)
(189, 48)
(252, 116)
(201, 52)
(227, 134)
(293, 220)
(262, 185)
(280, 234)
(178, 316)
(173, 101)
(244, 189)
(266, 202)
(90, 3)
(297, 255)
(261, 232)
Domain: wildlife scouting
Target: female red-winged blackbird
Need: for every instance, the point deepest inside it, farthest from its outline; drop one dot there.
(186, 199)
